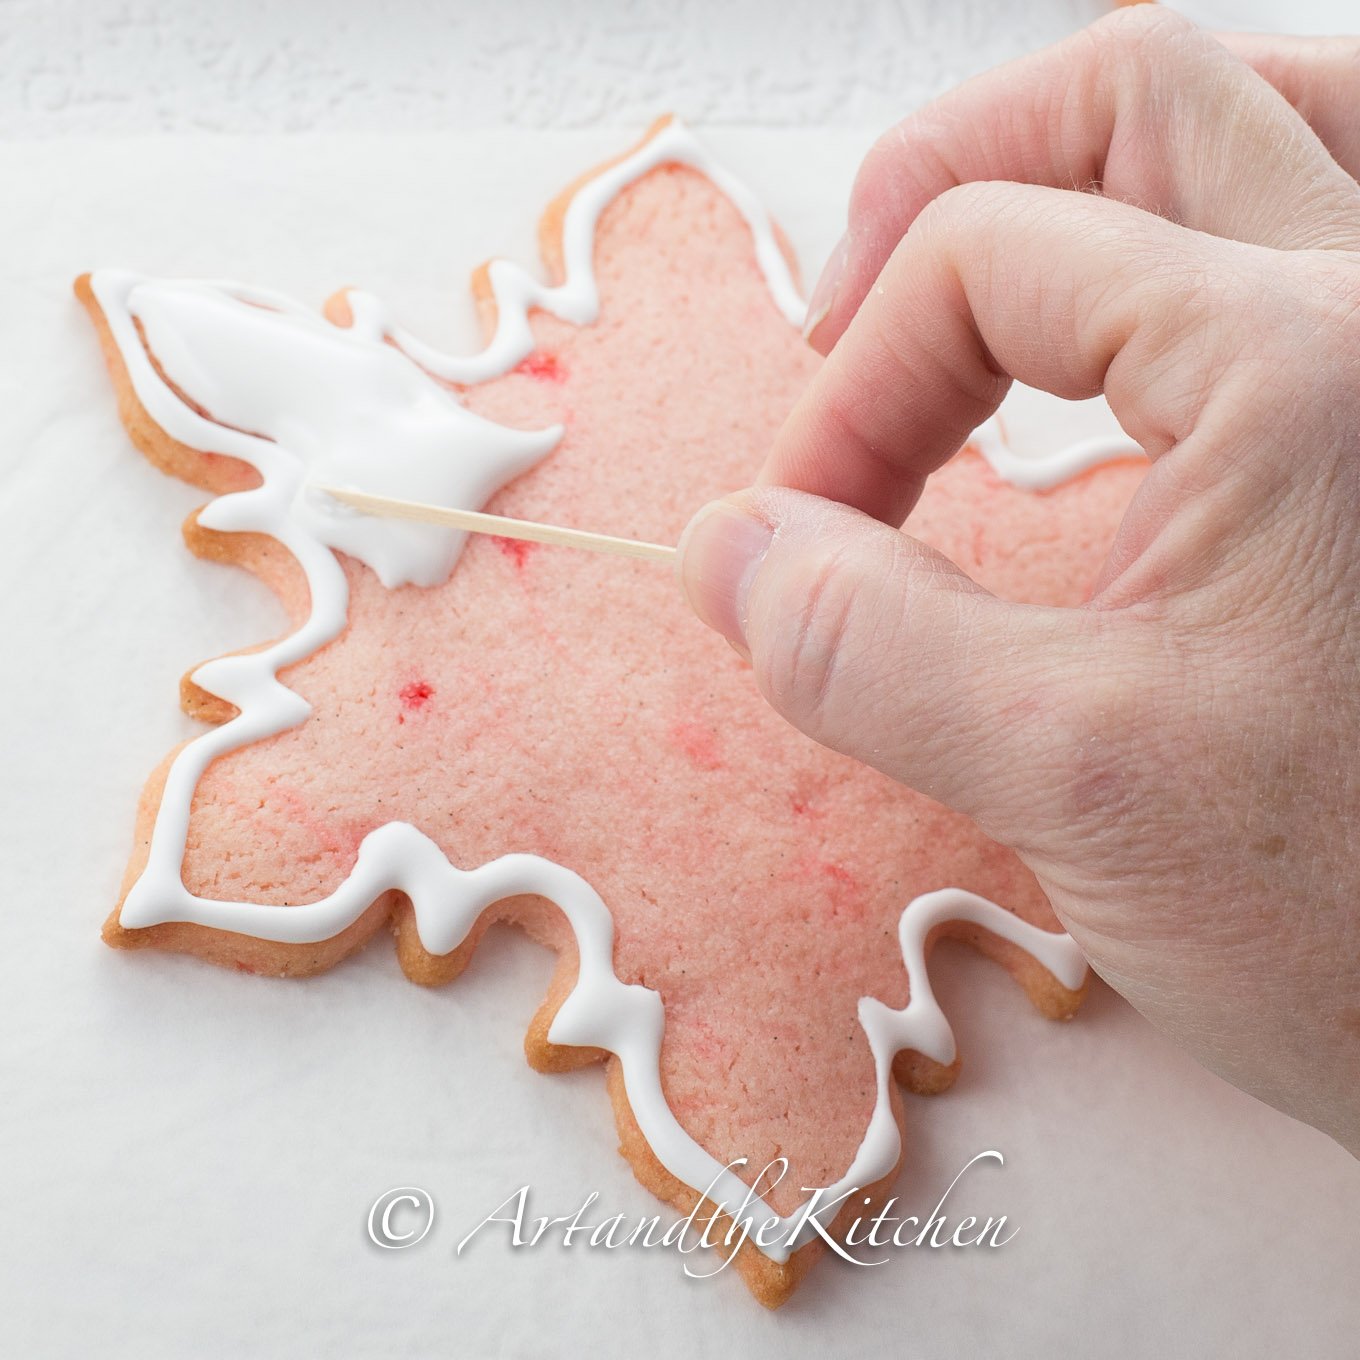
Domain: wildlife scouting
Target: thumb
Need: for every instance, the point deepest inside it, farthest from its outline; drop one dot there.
(879, 647)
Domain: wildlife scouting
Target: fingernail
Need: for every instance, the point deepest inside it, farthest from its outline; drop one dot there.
(824, 294)
(720, 553)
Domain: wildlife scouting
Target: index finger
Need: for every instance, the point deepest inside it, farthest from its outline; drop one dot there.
(1070, 293)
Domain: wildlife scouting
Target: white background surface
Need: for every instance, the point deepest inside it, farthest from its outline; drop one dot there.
(188, 1155)
(104, 66)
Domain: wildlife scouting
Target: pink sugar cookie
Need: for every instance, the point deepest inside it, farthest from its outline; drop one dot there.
(545, 702)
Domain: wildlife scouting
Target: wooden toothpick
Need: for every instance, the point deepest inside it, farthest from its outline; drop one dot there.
(477, 522)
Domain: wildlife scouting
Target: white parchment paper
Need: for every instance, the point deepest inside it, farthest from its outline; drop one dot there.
(187, 1156)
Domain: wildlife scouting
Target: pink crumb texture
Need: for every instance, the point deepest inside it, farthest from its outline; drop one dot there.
(573, 708)
(697, 742)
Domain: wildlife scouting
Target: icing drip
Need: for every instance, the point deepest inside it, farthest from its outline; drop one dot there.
(306, 397)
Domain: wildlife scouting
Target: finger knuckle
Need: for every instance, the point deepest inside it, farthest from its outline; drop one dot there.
(1142, 30)
(1184, 299)
(874, 179)
(1323, 291)
(1089, 763)
(965, 207)
(1105, 744)
(901, 165)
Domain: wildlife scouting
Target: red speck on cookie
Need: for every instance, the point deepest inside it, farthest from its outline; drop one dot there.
(415, 695)
(516, 549)
(845, 892)
(838, 873)
(697, 742)
(543, 366)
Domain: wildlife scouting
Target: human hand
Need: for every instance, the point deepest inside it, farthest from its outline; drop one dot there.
(1178, 761)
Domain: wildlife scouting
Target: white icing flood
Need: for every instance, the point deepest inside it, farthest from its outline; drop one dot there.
(310, 400)
(339, 410)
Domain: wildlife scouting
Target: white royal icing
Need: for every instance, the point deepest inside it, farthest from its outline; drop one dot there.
(308, 400)
(337, 409)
